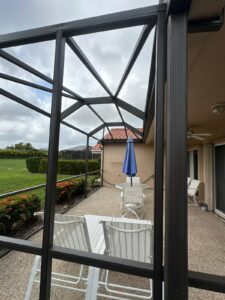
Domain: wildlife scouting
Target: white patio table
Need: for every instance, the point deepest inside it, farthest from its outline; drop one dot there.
(96, 235)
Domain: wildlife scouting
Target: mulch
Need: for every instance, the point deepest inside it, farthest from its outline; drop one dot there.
(36, 224)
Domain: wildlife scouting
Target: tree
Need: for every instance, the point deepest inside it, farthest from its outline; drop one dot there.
(21, 147)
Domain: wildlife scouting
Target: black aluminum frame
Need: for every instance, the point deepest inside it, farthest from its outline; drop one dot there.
(175, 274)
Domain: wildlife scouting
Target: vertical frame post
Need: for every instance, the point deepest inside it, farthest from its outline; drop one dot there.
(176, 266)
(86, 167)
(46, 264)
(159, 155)
(102, 159)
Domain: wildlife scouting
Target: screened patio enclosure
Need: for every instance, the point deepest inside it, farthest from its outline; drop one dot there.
(168, 64)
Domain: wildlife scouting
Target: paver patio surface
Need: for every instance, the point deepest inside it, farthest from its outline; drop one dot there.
(206, 249)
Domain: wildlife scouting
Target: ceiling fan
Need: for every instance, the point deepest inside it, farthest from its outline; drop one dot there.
(197, 136)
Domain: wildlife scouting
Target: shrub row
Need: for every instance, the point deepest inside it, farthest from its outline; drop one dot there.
(21, 154)
(16, 211)
(66, 167)
(66, 190)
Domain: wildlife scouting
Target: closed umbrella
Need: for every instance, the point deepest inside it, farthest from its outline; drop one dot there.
(129, 163)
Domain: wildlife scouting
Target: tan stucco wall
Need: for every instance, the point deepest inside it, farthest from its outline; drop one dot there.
(113, 159)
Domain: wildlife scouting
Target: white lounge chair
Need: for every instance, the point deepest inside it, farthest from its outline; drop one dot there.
(128, 240)
(193, 189)
(132, 200)
(70, 232)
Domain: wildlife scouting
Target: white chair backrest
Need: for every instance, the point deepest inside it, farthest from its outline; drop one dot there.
(134, 179)
(133, 194)
(188, 181)
(129, 240)
(193, 187)
(70, 232)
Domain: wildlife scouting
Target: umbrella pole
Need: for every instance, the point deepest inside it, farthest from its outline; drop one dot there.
(131, 183)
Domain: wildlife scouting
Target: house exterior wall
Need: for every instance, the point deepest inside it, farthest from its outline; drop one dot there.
(113, 159)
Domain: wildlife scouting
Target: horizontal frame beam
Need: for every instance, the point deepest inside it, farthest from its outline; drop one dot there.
(20, 245)
(206, 25)
(129, 18)
(210, 282)
(117, 101)
(103, 261)
(99, 100)
(199, 280)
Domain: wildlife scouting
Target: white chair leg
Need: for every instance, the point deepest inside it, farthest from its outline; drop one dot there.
(32, 277)
(130, 211)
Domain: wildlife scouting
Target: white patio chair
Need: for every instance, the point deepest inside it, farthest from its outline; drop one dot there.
(188, 181)
(193, 189)
(70, 232)
(128, 240)
(132, 200)
(134, 179)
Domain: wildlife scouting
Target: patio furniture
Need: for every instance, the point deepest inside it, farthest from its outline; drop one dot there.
(193, 189)
(97, 238)
(128, 240)
(132, 200)
(135, 179)
(70, 232)
(188, 181)
(136, 183)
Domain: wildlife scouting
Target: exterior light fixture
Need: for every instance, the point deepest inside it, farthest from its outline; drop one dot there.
(218, 108)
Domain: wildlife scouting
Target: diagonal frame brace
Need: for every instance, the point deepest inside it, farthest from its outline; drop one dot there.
(139, 45)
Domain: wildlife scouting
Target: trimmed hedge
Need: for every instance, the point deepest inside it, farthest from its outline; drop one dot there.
(16, 211)
(21, 154)
(66, 190)
(71, 167)
(33, 164)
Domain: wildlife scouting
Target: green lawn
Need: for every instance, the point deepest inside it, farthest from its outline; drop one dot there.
(14, 176)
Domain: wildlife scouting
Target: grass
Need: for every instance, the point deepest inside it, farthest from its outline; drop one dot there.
(14, 176)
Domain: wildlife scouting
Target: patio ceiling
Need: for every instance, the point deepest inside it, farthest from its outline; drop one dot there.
(206, 73)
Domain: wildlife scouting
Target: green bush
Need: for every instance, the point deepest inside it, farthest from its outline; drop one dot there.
(43, 166)
(71, 167)
(17, 210)
(4, 153)
(66, 190)
(33, 164)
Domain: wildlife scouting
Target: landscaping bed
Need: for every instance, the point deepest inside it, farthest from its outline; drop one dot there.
(35, 224)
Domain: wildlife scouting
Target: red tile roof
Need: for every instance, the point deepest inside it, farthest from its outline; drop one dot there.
(97, 148)
(120, 134)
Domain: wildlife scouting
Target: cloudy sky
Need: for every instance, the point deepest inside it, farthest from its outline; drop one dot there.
(109, 52)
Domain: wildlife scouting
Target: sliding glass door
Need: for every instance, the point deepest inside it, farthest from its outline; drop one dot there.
(220, 178)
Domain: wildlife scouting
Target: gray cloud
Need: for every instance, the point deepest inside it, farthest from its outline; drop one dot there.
(109, 52)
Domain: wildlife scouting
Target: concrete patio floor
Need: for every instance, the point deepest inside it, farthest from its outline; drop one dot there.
(206, 249)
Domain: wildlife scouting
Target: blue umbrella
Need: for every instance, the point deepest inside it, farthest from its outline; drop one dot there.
(129, 163)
